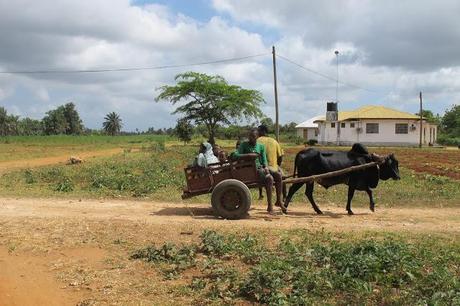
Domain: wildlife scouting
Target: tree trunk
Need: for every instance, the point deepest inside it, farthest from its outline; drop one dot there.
(211, 134)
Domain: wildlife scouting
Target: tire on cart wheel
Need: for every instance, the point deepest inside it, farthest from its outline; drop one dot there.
(231, 199)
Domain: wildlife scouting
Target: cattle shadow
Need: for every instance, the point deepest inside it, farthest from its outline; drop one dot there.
(254, 214)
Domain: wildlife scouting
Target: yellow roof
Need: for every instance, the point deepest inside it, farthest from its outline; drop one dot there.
(374, 112)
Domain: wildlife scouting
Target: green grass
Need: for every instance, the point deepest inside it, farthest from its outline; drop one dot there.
(27, 147)
(156, 172)
(313, 268)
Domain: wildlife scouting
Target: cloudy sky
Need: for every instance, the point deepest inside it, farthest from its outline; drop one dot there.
(389, 51)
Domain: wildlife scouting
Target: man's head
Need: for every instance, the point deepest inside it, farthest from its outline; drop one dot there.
(263, 130)
(252, 136)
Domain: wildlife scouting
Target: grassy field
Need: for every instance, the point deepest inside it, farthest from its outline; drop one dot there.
(29, 147)
(156, 172)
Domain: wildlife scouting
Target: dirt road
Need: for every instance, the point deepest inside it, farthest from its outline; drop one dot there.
(201, 215)
(64, 252)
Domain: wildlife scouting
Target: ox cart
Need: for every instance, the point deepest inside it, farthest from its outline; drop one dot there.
(229, 183)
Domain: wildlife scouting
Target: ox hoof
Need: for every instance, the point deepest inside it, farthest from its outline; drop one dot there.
(350, 213)
(372, 208)
(319, 212)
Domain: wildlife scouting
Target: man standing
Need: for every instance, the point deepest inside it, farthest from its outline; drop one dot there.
(253, 149)
(274, 159)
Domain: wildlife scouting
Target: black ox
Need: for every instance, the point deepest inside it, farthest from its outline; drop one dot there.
(311, 162)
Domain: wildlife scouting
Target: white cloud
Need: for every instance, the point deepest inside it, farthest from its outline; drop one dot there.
(383, 48)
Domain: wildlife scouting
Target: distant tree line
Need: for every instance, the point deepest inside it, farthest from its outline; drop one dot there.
(62, 120)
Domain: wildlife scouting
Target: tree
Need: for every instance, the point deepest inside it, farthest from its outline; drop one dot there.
(28, 126)
(55, 123)
(429, 116)
(211, 101)
(9, 124)
(74, 123)
(63, 120)
(268, 122)
(112, 124)
(184, 130)
(450, 122)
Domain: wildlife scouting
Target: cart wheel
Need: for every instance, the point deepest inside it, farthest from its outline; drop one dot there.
(231, 199)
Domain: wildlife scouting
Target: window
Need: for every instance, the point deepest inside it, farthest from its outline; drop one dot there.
(332, 124)
(401, 128)
(372, 128)
(352, 124)
(342, 125)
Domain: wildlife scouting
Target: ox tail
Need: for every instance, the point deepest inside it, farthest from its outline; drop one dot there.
(295, 164)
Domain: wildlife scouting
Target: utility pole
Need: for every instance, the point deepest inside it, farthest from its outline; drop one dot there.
(277, 119)
(337, 81)
(421, 121)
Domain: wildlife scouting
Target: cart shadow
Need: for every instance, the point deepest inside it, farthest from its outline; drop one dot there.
(202, 212)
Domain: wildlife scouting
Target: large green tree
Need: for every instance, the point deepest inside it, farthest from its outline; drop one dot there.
(63, 120)
(112, 124)
(74, 123)
(450, 122)
(211, 101)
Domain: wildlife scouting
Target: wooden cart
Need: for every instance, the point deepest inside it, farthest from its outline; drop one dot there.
(228, 183)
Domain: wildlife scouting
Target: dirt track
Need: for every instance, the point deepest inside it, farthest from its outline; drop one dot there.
(61, 252)
(201, 215)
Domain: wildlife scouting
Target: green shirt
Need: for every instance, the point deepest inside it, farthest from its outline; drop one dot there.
(246, 148)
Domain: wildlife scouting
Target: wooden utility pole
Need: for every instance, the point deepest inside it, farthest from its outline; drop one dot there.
(277, 119)
(421, 121)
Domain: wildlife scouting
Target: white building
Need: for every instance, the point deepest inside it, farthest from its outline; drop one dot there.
(308, 130)
(375, 126)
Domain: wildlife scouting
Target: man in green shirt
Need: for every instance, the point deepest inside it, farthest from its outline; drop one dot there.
(256, 150)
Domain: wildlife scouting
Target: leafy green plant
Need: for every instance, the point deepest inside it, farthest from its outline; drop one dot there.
(65, 184)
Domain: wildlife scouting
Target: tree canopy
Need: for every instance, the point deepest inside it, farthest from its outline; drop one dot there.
(211, 101)
(184, 130)
(450, 123)
(112, 124)
(63, 120)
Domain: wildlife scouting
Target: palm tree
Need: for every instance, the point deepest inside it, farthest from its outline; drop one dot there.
(112, 124)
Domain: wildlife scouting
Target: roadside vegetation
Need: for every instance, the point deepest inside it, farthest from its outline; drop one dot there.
(311, 268)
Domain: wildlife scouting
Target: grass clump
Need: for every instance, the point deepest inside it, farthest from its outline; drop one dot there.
(312, 268)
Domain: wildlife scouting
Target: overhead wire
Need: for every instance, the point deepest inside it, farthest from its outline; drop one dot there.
(321, 74)
(235, 59)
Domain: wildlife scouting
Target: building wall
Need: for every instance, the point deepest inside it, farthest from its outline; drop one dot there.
(306, 133)
(385, 136)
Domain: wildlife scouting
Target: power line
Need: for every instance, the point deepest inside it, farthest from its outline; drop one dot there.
(132, 68)
(322, 74)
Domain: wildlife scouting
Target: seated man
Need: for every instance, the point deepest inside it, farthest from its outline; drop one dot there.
(256, 150)
(274, 159)
(205, 156)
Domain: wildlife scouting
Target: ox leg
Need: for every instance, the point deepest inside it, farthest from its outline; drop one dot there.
(351, 193)
(371, 199)
(309, 194)
(292, 190)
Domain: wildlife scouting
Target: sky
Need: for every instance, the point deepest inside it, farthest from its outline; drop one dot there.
(389, 51)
